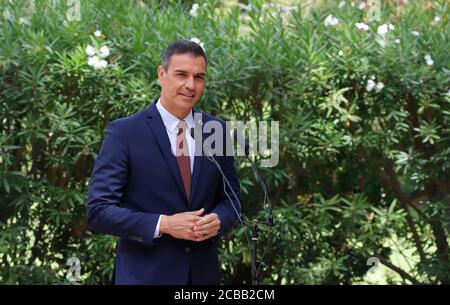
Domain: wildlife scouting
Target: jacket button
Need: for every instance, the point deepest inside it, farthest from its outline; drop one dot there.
(187, 249)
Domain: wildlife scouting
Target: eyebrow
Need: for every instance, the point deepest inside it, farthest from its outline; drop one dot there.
(182, 71)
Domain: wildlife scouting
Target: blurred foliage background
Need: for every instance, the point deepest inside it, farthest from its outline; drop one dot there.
(364, 114)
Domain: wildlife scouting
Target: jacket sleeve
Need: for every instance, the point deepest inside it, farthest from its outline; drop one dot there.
(104, 210)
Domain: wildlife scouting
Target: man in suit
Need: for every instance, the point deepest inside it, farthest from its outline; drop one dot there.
(151, 188)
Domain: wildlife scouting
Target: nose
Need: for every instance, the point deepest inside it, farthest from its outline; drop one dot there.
(189, 83)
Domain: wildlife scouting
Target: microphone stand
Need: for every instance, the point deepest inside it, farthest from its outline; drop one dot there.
(256, 231)
(254, 253)
(255, 237)
(256, 264)
(255, 223)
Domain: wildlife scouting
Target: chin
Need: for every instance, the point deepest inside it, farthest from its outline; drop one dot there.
(187, 103)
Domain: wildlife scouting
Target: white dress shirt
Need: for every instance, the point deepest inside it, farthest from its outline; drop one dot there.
(171, 123)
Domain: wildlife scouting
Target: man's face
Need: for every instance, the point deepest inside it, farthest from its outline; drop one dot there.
(183, 83)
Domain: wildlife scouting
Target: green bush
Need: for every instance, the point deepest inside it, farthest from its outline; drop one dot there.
(364, 131)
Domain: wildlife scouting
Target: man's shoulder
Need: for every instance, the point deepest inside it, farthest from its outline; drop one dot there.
(130, 120)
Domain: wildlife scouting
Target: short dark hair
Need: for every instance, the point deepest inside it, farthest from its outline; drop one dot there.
(182, 46)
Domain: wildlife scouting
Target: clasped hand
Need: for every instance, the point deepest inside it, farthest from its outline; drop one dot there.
(191, 225)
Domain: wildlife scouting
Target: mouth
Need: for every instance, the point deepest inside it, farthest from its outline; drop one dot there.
(187, 95)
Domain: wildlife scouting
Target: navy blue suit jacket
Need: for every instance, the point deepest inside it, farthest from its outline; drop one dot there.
(135, 179)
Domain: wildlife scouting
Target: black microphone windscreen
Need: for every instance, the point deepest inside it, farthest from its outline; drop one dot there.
(241, 141)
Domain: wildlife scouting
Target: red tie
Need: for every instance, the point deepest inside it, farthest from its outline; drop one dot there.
(182, 154)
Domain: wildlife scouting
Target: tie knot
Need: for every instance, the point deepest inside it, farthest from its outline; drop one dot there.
(182, 125)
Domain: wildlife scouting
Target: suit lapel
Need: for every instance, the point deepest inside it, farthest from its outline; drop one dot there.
(156, 124)
(198, 154)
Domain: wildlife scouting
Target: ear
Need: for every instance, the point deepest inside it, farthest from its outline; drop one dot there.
(161, 72)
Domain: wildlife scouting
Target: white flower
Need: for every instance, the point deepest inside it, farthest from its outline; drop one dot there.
(362, 26)
(415, 33)
(370, 85)
(100, 65)
(384, 28)
(104, 52)
(380, 85)
(428, 59)
(340, 53)
(198, 41)
(362, 5)
(97, 33)
(97, 63)
(193, 11)
(331, 21)
(397, 41)
(341, 4)
(90, 51)
(92, 61)
(436, 20)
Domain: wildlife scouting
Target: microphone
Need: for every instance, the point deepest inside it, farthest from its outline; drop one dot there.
(227, 182)
(225, 179)
(241, 141)
(269, 222)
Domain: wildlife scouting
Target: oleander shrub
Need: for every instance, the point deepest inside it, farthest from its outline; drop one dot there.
(364, 114)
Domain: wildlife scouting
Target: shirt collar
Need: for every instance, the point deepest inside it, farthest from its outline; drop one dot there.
(171, 121)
